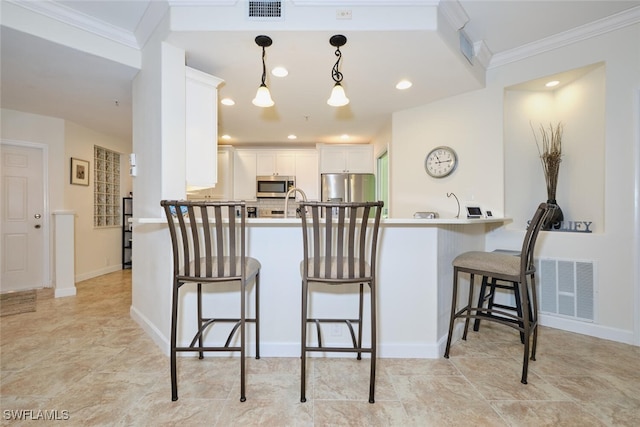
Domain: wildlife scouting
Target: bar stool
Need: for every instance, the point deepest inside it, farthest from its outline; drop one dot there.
(209, 248)
(519, 272)
(340, 250)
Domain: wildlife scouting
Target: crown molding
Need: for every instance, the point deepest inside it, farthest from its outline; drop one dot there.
(71, 17)
(453, 12)
(482, 53)
(584, 32)
(350, 3)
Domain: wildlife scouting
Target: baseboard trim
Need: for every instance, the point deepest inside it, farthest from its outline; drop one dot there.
(96, 273)
(64, 292)
(587, 328)
(153, 332)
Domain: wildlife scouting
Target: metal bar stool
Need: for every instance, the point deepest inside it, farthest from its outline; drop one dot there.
(340, 250)
(508, 268)
(209, 248)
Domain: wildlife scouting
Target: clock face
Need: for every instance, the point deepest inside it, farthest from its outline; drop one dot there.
(440, 162)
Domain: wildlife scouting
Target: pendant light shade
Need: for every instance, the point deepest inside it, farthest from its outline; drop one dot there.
(263, 96)
(338, 97)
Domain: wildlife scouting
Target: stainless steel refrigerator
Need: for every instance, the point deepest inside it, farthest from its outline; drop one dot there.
(348, 187)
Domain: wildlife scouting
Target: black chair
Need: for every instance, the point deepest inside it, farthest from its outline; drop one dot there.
(340, 243)
(519, 274)
(209, 248)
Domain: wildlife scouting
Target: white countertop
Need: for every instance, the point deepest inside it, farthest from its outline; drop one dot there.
(384, 222)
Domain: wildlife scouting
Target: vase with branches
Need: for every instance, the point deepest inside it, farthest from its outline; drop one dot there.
(550, 150)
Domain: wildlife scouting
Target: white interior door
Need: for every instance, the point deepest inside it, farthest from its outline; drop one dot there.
(23, 218)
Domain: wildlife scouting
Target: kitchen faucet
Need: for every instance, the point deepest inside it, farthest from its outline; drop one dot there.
(286, 198)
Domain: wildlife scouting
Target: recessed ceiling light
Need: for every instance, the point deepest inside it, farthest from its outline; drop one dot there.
(280, 72)
(292, 136)
(227, 101)
(404, 84)
(344, 136)
(552, 83)
(226, 137)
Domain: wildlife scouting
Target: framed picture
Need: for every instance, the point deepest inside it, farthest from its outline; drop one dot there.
(79, 172)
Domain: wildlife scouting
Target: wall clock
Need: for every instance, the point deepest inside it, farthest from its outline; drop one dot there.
(441, 162)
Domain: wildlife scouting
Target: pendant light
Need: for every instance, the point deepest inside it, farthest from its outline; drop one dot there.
(338, 98)
(263, 96)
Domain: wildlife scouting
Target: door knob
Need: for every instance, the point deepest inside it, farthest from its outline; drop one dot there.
(37, 216)
(37, 226)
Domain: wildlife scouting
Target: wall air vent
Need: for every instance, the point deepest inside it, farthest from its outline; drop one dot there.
(567, 288)
(261, 10)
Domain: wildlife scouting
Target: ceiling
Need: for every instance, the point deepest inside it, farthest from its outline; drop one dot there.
(46, 78)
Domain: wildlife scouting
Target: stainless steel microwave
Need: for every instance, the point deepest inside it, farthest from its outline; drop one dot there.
(275, 186)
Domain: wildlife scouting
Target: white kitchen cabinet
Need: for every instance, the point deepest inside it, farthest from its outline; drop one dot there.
(275, 162)
(307, 175)
(346, 158)
(244, 175)
(249, 163)
(201, 129)
(224, 187)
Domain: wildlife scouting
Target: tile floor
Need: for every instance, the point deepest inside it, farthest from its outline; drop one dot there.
(85, 358)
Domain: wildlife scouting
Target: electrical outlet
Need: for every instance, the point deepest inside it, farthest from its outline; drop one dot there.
(343, 14)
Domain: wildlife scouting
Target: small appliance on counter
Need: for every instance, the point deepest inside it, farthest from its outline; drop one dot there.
(426, 215)
(252, 212)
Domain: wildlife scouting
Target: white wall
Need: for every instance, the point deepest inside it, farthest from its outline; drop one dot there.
(473, 124)
(159, 143)
(97, 250)
(66, 140)
(580, 106)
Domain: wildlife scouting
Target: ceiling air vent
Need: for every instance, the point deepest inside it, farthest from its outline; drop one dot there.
(265, 10)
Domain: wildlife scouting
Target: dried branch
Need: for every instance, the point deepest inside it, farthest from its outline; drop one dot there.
(550, 150)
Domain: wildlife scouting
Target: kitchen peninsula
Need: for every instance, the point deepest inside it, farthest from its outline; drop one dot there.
(414, 283)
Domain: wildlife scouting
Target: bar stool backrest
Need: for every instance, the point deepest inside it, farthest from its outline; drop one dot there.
(208, 238)
(340, 240)
(542, 213)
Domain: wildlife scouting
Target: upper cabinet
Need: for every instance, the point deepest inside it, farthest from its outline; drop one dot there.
(224, 188)
(249, 163)
(276, 163)
(346, 158)
(244, 175)
(201, 122)
(307, 175)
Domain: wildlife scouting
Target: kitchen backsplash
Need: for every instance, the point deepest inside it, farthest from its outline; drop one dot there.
(265, 206)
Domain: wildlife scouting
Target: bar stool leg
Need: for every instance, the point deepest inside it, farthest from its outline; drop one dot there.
(200, 322)
(303, 341)
(174, 320)
(527, 327)
(481, 298)
(372, 375)
(452, 317)
(360, 311)
(243, 290)
(468, 308)
(257, 288)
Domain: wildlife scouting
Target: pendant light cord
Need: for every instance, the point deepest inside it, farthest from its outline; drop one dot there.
(264, 68)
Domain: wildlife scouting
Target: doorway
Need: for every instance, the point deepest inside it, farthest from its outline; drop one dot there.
(24, 217)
